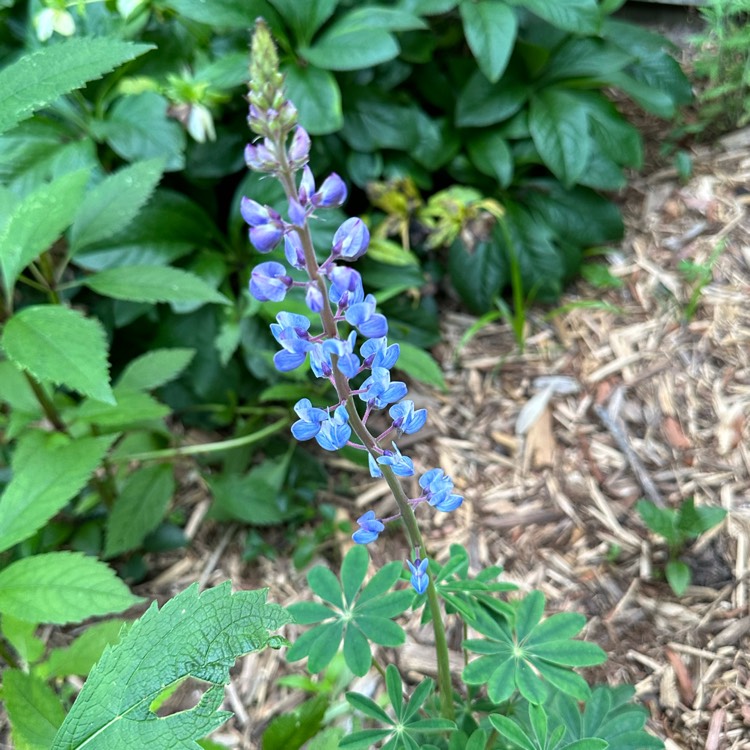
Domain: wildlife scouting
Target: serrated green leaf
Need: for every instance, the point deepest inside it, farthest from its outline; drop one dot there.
(59, 344)
(80, 656)
(140, 507)
(193, 635)
(153, 284)
(490, 29)
(48, 471)
(112, 204)
(37, 79)
(36, 221)
(559, 129)
(317, 96)
(420, 365)
(154, 369)
(34, 710)
(61, 587)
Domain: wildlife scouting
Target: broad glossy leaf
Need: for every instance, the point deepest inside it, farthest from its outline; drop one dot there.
(140, 506)
(48, 471)
(479, 273)
(153, 284)
(305, 18)
(231, 14)
(483, 103)
(490, 153)
(36, 221)
(37, 79)
(559, 128)
(138, 128)
(59, 344)
(578, 16)
(111, 205)
(62, 587)
(490, 29)
(35, 712)
(585, 57)
(317, 96)
(193, 635)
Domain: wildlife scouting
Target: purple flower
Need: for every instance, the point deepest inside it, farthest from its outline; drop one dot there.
(348, 361)
(291, 332)
(253, 213)
(332, 193)
(351, 240)
(379, 391)
(438, 489)
(335, 430)
(260, 158)
(299, 150)
(306, 186)
(419, 577)
(266, 226)
(320, 361)
(314, 297)
(362, 316)
(269, 282)
(310, 418)
(369, 530)
(402, 466)
(405, 419)
(297, 214)
(346, 286)
(377, 353)
(293, 251)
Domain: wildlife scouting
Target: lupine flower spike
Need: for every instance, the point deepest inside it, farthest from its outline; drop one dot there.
(348, 336)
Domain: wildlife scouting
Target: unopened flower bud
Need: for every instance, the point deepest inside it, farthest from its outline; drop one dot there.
(299, 150)
(314, 297)
(332, 193)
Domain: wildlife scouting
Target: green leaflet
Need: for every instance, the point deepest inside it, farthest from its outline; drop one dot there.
(59, 344)
(41, 77)
(192, 635)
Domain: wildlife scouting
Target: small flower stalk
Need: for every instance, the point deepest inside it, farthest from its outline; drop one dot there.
(345, 338)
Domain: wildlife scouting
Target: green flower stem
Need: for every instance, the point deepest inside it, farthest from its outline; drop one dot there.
(343, 390)
(196, 450)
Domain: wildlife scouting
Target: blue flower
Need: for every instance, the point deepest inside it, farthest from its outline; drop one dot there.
(378, 390)
(291, 333)
(348, 362)
(405, 419)
(310, 418)
(377, 353)
(335, 430)
(314, 297)
(266, 226)
(346, 286)
(351, 240)
(438, 489)
(269, 282)
(332, 193)
(293, 251)
(369, 530)
(419, 577)
(402, 466)
(366, 320)
(260, 158)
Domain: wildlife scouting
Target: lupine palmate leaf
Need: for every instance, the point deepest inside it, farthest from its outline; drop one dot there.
(193, 635)
(39, 78)
(61, 587)
(114, 203)
(353, 613)
(48, 471)
(59, 344)
(36, 222)
(33, 708)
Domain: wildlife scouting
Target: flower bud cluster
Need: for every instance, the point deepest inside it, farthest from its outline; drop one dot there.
(333, 292)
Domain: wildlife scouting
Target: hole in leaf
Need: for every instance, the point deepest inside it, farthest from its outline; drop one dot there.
(182, 695)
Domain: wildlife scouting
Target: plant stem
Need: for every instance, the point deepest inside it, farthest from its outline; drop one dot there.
(344, 392)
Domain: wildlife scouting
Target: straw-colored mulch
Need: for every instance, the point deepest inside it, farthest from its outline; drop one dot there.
(660, 411)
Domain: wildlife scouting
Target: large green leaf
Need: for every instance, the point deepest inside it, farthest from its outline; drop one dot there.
(35, 222)
(153, 284)
(138, 128)
(305, 18)
(232, 14)
(132, 407)
(48, 470)
(491, 155)
(34, 710)
(479, 273)
(155, 368)
(316, 95)
(193, 635)
(559, 128)
(61, 587)
(350, 43)
(110, 206)
(59, 344)
(483, 103)
(37, 79)
(139, 508)
(490, 28)
(578, 16)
